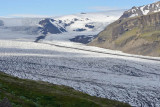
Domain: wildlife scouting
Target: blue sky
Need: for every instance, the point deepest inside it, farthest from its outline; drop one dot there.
(62, 7)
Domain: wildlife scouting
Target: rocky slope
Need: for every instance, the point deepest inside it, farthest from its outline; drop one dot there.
(136, 35)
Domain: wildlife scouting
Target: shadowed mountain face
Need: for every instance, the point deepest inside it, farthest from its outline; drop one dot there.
(48, 27)
(137, 35)
(1, 23)
(83, 38)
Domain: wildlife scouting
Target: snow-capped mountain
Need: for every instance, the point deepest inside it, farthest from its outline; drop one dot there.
(142, 10)
(81, 27)
(76, 27)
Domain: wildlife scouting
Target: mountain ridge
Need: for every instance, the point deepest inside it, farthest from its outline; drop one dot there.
(141, 10)
(136, 35)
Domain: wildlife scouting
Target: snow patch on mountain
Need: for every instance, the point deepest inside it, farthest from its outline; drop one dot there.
(99, 20)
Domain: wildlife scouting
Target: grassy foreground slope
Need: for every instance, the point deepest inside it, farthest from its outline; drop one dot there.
(28, 93)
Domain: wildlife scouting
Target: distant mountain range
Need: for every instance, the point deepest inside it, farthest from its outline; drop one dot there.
(82, 27)
(137, 32)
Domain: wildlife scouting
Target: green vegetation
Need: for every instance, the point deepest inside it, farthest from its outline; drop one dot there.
(126, 36)
(28, 93)
(135, 33)
(151, 36)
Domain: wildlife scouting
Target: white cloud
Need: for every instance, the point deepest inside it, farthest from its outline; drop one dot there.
(104, 8)
(28, 15)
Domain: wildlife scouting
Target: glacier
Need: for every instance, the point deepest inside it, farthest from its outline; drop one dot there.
(99, 72)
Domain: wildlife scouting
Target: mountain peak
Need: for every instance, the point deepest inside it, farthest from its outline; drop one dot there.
(142, 10)
(134, 7)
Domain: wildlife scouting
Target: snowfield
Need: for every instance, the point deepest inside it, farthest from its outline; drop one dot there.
(99, 72)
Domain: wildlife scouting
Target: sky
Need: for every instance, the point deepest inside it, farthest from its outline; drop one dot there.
(63, 7)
